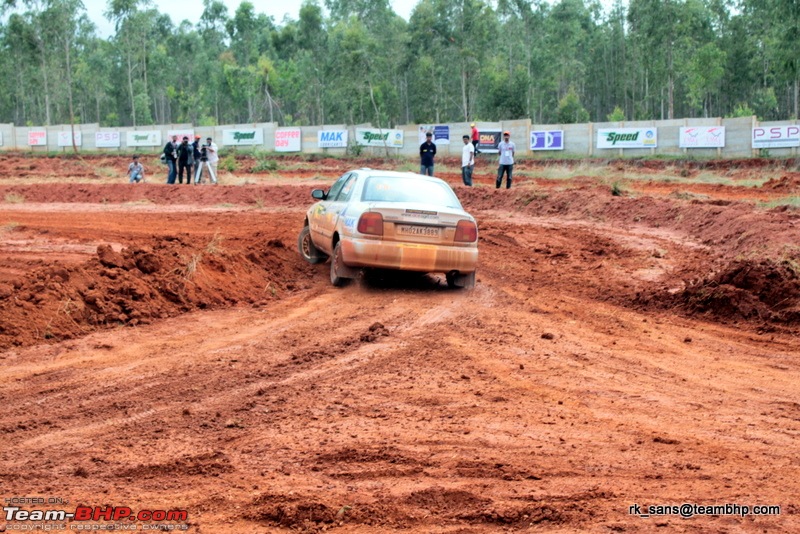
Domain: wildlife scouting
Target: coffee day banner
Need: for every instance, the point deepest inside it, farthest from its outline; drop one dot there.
(702, 137)
(379, 137)
(143, 138)
(288, 139)
(254, 136)
(627, 138)
(37, 138)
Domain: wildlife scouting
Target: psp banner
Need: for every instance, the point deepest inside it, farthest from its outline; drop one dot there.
(627, 138)
(37, 138)
(143, 138)
(253, 136)
(378, 137)
(776, 136)
(106, 139)
(332, 139)
(65, 139)
(702, 137)
(488, 141)
(547, 140)
(288, 139)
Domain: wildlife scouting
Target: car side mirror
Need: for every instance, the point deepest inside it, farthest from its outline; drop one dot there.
(319, 194)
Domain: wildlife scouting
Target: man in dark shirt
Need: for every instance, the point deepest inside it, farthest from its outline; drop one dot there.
(171, 154)
(426, 152)
(185, 160)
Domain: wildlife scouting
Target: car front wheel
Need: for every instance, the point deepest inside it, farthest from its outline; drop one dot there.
(307, 249)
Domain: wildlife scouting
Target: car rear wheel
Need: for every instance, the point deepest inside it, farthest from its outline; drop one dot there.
(338, 267)
(307, 249)
(465, 281)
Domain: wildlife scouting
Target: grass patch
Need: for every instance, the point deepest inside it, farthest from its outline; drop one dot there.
(225, 205)
(140, 202)
(792, 201)
(14, 198)
(215, 245)
(265, 165)
(617, 190)
(191, 266)
(229, 163)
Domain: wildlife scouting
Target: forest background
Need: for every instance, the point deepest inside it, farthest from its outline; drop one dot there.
(357, 61)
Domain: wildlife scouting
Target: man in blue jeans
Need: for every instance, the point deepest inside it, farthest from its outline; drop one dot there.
(426, 152)
(171, 154)
(506, 149)
(467, 161)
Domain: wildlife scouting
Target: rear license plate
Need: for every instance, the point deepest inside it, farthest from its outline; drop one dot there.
(425, 231)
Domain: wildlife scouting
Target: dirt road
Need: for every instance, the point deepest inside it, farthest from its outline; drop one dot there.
(615, 352)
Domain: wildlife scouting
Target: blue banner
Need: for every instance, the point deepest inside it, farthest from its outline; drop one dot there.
(547, 140)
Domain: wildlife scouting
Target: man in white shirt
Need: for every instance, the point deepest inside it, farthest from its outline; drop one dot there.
(467, 161)
(208, 158)
(506, 149)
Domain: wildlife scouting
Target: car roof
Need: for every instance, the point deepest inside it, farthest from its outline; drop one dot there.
(397, 174)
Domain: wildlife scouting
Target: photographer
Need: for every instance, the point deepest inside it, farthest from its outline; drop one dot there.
(208, 159)
(185, 160)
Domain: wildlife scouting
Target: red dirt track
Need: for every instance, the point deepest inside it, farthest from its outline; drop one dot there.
(165, 347)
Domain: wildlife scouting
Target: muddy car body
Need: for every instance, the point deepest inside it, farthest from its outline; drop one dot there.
(391, 220)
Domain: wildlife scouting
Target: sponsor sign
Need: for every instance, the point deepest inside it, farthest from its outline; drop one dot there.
(377, 137)
(332, 139)
(181, 134)
(702, 137)
(37, 137)
(288, 139)
(627, 138)
(1, 138)
(143, 138)
(441, 133)
(547, 140)
(253, 136)
(489, 140)
(776, 136)
(65, 139)
(106, 139)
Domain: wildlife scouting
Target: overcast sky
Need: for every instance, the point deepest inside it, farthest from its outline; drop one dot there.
(191, 10)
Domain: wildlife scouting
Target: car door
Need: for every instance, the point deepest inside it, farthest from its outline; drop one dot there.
(338, 205)
(323, 219)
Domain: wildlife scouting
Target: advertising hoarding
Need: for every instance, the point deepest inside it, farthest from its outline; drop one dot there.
(627, 138)
(776, 136)
(547, 140)
(37, 137)
(65, 139)
(244, 136)
(332, 139)
(143, 138)
(288, 139)
(106, 139)
(702, 137)
(379, 137)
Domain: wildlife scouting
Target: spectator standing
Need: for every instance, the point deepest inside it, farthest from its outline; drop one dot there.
(506, 149)
(171, 156)
(476, 137)
(209, 158)
(136, 170)
(185, 160)
(427, 151)
(467, 161)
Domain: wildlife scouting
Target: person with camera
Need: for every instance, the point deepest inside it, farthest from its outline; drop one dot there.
(171, 159)
(208, 160)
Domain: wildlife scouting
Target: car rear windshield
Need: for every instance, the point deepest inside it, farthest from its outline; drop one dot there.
(399, 189)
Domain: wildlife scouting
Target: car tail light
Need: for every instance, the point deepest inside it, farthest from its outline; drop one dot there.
(466, 231)
(371, 223)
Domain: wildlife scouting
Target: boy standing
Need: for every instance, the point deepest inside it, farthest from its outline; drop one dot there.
(136, 170)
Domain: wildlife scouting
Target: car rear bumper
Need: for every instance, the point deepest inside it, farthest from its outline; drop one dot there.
(408, 256)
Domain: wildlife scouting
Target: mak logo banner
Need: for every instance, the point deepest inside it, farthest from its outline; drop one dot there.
(378, 137)
(547, 140)
(106, 139)
(253, 136)
(288, 139)
(37, 138)
(332, 139)
(627, 138)
(488, 141)
(65, 139)
(702, 137)
(143, 138)
(776, 136)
